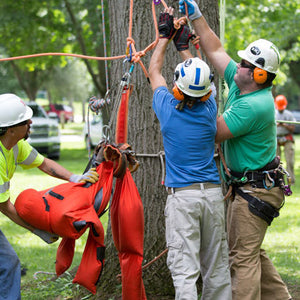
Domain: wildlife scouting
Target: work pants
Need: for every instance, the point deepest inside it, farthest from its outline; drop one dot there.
(289, 154)
(196, 239)
(10, 271)
(253, 275)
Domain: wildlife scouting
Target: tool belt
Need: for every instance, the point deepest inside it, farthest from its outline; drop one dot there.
(260, 179)
(271, 175)
(267, 177)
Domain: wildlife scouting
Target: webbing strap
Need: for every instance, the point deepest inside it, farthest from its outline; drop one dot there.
(259, 208)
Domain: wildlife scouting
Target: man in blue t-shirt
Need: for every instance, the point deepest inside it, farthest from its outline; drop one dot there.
(195, 222)
(247, 129)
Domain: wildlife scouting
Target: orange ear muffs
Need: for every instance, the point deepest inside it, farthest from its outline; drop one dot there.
(178, 94)
(205, 97)
(260, 76)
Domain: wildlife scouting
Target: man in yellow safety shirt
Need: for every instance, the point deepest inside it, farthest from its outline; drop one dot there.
(15, 124)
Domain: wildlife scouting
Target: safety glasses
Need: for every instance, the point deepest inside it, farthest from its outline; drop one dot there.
(243, 64)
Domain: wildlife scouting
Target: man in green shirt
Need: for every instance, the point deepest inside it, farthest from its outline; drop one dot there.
(247, 130)
(15, 123)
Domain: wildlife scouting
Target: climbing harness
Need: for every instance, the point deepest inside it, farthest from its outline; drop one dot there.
(273, 174)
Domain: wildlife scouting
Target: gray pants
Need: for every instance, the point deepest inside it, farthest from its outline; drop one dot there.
(196, 239)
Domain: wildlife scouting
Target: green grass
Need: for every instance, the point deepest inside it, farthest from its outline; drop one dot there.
(282, 241)
(35, 254)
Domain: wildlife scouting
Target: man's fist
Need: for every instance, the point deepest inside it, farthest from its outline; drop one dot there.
(182, 38)
(166, 25)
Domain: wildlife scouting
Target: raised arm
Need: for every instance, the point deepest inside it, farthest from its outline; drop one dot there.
(156, 63)
(166, 31)
(209, 41)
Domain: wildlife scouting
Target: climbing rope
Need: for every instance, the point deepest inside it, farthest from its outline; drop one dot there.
(135, 56)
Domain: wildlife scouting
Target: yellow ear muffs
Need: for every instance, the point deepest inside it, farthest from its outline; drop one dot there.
(260, 76)
(205, 97)
(178, 94)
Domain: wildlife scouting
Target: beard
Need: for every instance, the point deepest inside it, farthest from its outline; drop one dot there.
(26, 136)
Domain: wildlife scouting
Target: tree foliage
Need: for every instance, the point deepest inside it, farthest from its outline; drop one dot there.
(273, 20)
(68, 26)
(75, 26)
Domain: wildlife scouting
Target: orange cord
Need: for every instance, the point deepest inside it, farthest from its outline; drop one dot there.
(62, 54)
(136, 55)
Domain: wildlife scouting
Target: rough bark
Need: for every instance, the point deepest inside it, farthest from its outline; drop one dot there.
(145, 137)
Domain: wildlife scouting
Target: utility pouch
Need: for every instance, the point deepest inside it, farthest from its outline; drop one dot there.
(259, 208)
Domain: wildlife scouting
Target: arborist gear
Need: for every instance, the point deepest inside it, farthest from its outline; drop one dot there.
(268, 177)
(13, 110)
(259, 208)
(193, 77)
(70, 208)
(182, 38)
(192, 82)
(262, 54)
(166, 26)
(271, 175)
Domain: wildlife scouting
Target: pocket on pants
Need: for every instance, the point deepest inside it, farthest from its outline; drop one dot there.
(174, 259)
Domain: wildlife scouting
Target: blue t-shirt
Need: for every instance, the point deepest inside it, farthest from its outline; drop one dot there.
(188, 138)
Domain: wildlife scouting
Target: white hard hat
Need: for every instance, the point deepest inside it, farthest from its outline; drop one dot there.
(192, 77)
(13, 110)
(262, 54)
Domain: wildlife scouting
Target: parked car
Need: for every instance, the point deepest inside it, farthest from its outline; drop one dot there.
(93, 131)
(61, 110)
(44, 132)
(296, 114)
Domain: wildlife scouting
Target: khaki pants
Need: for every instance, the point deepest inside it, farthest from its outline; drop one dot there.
(196, 239)
(253, 275)
(289, 154)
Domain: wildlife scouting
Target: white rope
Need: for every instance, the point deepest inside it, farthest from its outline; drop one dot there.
(42, 272)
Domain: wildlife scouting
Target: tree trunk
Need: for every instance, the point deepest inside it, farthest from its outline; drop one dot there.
(145, 138)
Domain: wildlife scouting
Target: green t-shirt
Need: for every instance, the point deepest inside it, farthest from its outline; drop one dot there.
(251, 120)
(21, 154)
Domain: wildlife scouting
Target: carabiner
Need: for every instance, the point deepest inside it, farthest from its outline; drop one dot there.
(129, 51)
(272, 181)
(106, 133)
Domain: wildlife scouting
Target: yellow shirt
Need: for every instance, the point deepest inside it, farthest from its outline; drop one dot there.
(21, 154)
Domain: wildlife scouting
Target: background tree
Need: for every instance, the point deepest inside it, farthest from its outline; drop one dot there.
(67, 26)
(145, 137)
(273, 20)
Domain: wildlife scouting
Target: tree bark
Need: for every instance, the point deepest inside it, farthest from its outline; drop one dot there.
(145, 138)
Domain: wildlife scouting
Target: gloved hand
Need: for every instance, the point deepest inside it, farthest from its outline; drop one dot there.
(182, 37)
(193, 9)
(46, 236)
(90, 176)
(166, 25)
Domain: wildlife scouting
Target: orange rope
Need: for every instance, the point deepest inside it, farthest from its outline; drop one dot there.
(62, 54)
(136, 55)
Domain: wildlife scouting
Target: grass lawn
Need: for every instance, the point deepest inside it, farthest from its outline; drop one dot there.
(282, 242)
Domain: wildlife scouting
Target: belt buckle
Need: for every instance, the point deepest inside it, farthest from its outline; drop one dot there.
(170, 190)
(251, 179)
